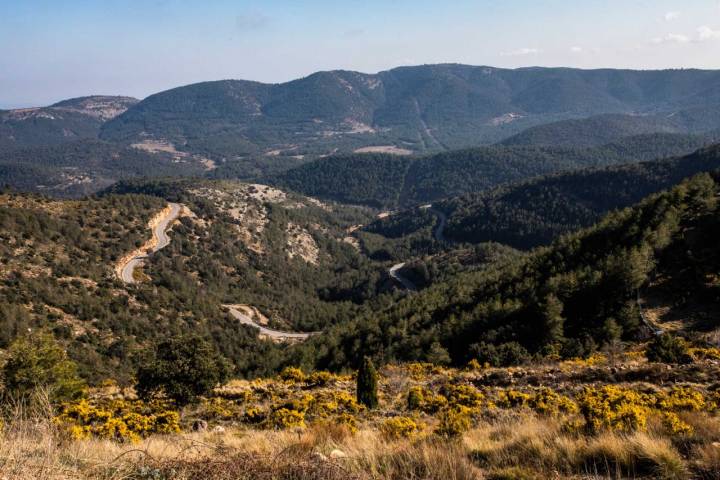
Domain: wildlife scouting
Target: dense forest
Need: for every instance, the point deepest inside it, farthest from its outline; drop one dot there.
(389, 181)
(534, 212)
(580, 292)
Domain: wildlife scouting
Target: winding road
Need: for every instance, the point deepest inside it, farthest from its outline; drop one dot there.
(268, 332)
(438, 235)
(161, 240)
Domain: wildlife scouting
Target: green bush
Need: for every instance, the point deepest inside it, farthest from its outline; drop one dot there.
(367, 380)
(666, 348)
(37, 361)
(183, 368)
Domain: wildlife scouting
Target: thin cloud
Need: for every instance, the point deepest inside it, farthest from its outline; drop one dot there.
(576, 49)
(671, 38)
(670, 16)
(521, 52)
(707, 33)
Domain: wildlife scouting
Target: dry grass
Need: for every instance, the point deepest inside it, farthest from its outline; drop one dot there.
(514, 448)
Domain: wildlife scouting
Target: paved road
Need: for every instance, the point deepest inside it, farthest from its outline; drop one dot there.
(162, 241)
(405, 282)
(269, 332)
(438, 234)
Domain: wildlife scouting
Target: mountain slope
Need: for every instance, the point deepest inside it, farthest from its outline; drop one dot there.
(535, 212)
(65, 121)
(568, 298)
(389, 181)
(423, 108)
(604, 129)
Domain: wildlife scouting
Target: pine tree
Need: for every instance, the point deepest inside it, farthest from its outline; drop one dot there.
(367, 380)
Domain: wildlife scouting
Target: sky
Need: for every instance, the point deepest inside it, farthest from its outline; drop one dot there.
(52, 50)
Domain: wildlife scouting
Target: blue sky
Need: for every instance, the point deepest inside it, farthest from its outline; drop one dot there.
(51, 50)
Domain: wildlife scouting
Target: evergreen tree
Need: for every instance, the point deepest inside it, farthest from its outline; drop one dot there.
(553, 321)
(367, 380)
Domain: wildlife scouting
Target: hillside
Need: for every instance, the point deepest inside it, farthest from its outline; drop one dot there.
(603, 129)
(534, 212)
(74, 169)
(407, 109)
(240, 244)
(389, 181)
(66, 121)
(581, 291)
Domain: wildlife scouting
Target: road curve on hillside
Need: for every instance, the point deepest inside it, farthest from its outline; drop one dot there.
(161, 240)
(268, 332)
(437, 234)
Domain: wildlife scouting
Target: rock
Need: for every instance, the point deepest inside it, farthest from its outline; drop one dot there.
(335, 454)
(318, 457)
(199, 425)
(218, 429)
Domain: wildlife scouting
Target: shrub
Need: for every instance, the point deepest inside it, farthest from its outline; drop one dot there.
(666, 348)
(183, 368)
(292, 374)
(422, 399)
(38, 361)
(399, 427)
(615, 408)
(367, 380)
(319, 379)
(454, 421)
(285, 418)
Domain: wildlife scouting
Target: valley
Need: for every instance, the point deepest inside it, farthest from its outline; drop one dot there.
(431, 272)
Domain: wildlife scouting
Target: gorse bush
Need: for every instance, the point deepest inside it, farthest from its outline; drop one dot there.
(119, 420)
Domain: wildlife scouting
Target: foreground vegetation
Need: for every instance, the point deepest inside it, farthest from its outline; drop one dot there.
(558, 419)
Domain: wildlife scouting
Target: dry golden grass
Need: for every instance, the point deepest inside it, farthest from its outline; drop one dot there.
(521, 447)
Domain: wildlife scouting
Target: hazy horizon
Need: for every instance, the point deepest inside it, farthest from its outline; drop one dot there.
(50, 52)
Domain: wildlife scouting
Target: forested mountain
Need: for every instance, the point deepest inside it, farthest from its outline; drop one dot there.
(65, 121)
(535, 212)
(389, 181)
(418, 109)
(603, 129)
(73, 169)
(579, 293)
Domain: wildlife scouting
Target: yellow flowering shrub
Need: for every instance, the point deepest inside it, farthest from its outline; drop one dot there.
(292, 375)
(454, 421)
(424, 400)
(319, 379)
(400, 427)
(285, 418)
(120, 420)
(615, 408)
(463, 395)
(254, 415)
(675, 425)
(681, 398)
(710, 353)
(219, 408)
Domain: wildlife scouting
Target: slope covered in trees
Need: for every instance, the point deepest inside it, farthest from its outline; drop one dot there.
(423, 108)
(536, 212)
(66, 121)
(603, 129)
(580, 292)
(389, 181)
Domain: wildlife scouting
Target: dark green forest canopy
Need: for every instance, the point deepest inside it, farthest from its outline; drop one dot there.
(570, 289)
